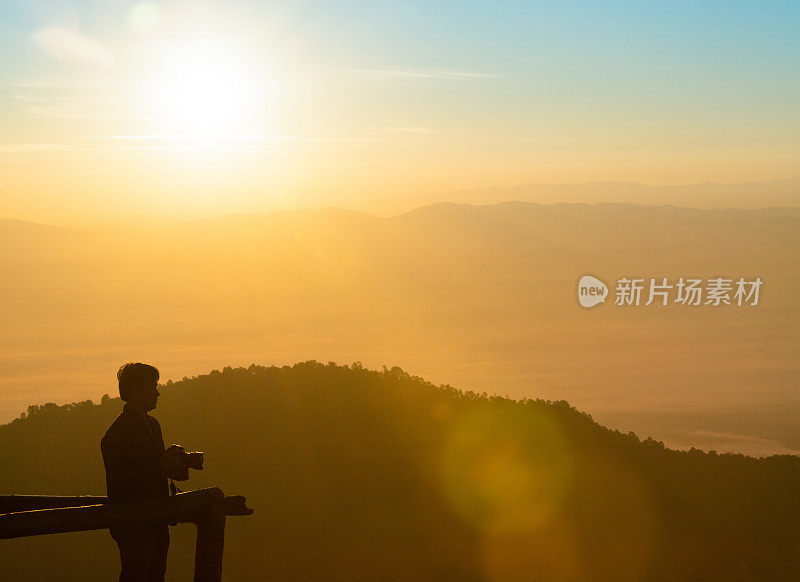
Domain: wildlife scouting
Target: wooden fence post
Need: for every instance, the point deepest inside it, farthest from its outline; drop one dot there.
(209, 546)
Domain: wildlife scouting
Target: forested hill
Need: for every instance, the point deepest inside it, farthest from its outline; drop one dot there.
(360, 474)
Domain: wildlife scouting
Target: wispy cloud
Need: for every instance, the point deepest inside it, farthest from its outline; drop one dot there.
(215, 141)
(183, 142)
(69, 46)
(30, 148)
(80, 112)
(38, 98)
(58, 85)
(406, 129)
(77, 102)
(400, 74)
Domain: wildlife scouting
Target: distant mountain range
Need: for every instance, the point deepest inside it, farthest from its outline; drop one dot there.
(759, 194)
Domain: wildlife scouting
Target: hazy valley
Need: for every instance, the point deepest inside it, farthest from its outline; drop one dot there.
(482, 297)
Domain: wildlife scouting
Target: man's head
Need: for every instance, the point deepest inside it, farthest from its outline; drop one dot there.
(138, 385)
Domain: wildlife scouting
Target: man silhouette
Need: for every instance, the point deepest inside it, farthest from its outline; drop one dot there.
(137, 468)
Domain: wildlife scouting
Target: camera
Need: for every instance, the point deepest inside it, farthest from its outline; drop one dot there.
(177, 462)
(193, 460)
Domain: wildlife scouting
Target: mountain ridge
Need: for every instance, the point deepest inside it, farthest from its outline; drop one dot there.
(755, 194)
(790, 187)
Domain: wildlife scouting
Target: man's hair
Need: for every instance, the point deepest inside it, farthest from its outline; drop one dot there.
(132, 375)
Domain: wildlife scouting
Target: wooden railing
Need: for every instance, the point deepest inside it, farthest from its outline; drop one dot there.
(35, 515)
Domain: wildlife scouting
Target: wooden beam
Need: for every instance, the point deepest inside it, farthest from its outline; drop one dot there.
(46, 514)
(184, 507)
(13, 503)
(233, 504)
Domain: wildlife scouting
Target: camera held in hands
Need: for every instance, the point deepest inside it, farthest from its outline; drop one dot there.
(177, 462)
(193, 460)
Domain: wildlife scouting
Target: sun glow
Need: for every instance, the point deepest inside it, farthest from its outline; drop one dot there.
(204, 89)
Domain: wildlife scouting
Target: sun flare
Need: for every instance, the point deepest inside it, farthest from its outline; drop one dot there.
(204, 89)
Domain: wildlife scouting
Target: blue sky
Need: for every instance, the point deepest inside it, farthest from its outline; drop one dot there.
(492, 92)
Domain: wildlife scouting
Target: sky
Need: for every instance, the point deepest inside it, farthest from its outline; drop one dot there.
(111, 109)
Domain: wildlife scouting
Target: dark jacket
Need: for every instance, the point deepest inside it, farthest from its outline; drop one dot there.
(131, 450)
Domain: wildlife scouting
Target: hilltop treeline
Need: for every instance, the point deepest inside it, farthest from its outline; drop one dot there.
(378, 475)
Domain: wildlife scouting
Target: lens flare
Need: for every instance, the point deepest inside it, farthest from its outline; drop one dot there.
(505, 471)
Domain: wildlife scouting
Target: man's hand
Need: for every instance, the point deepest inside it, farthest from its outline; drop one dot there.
(173, 462)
